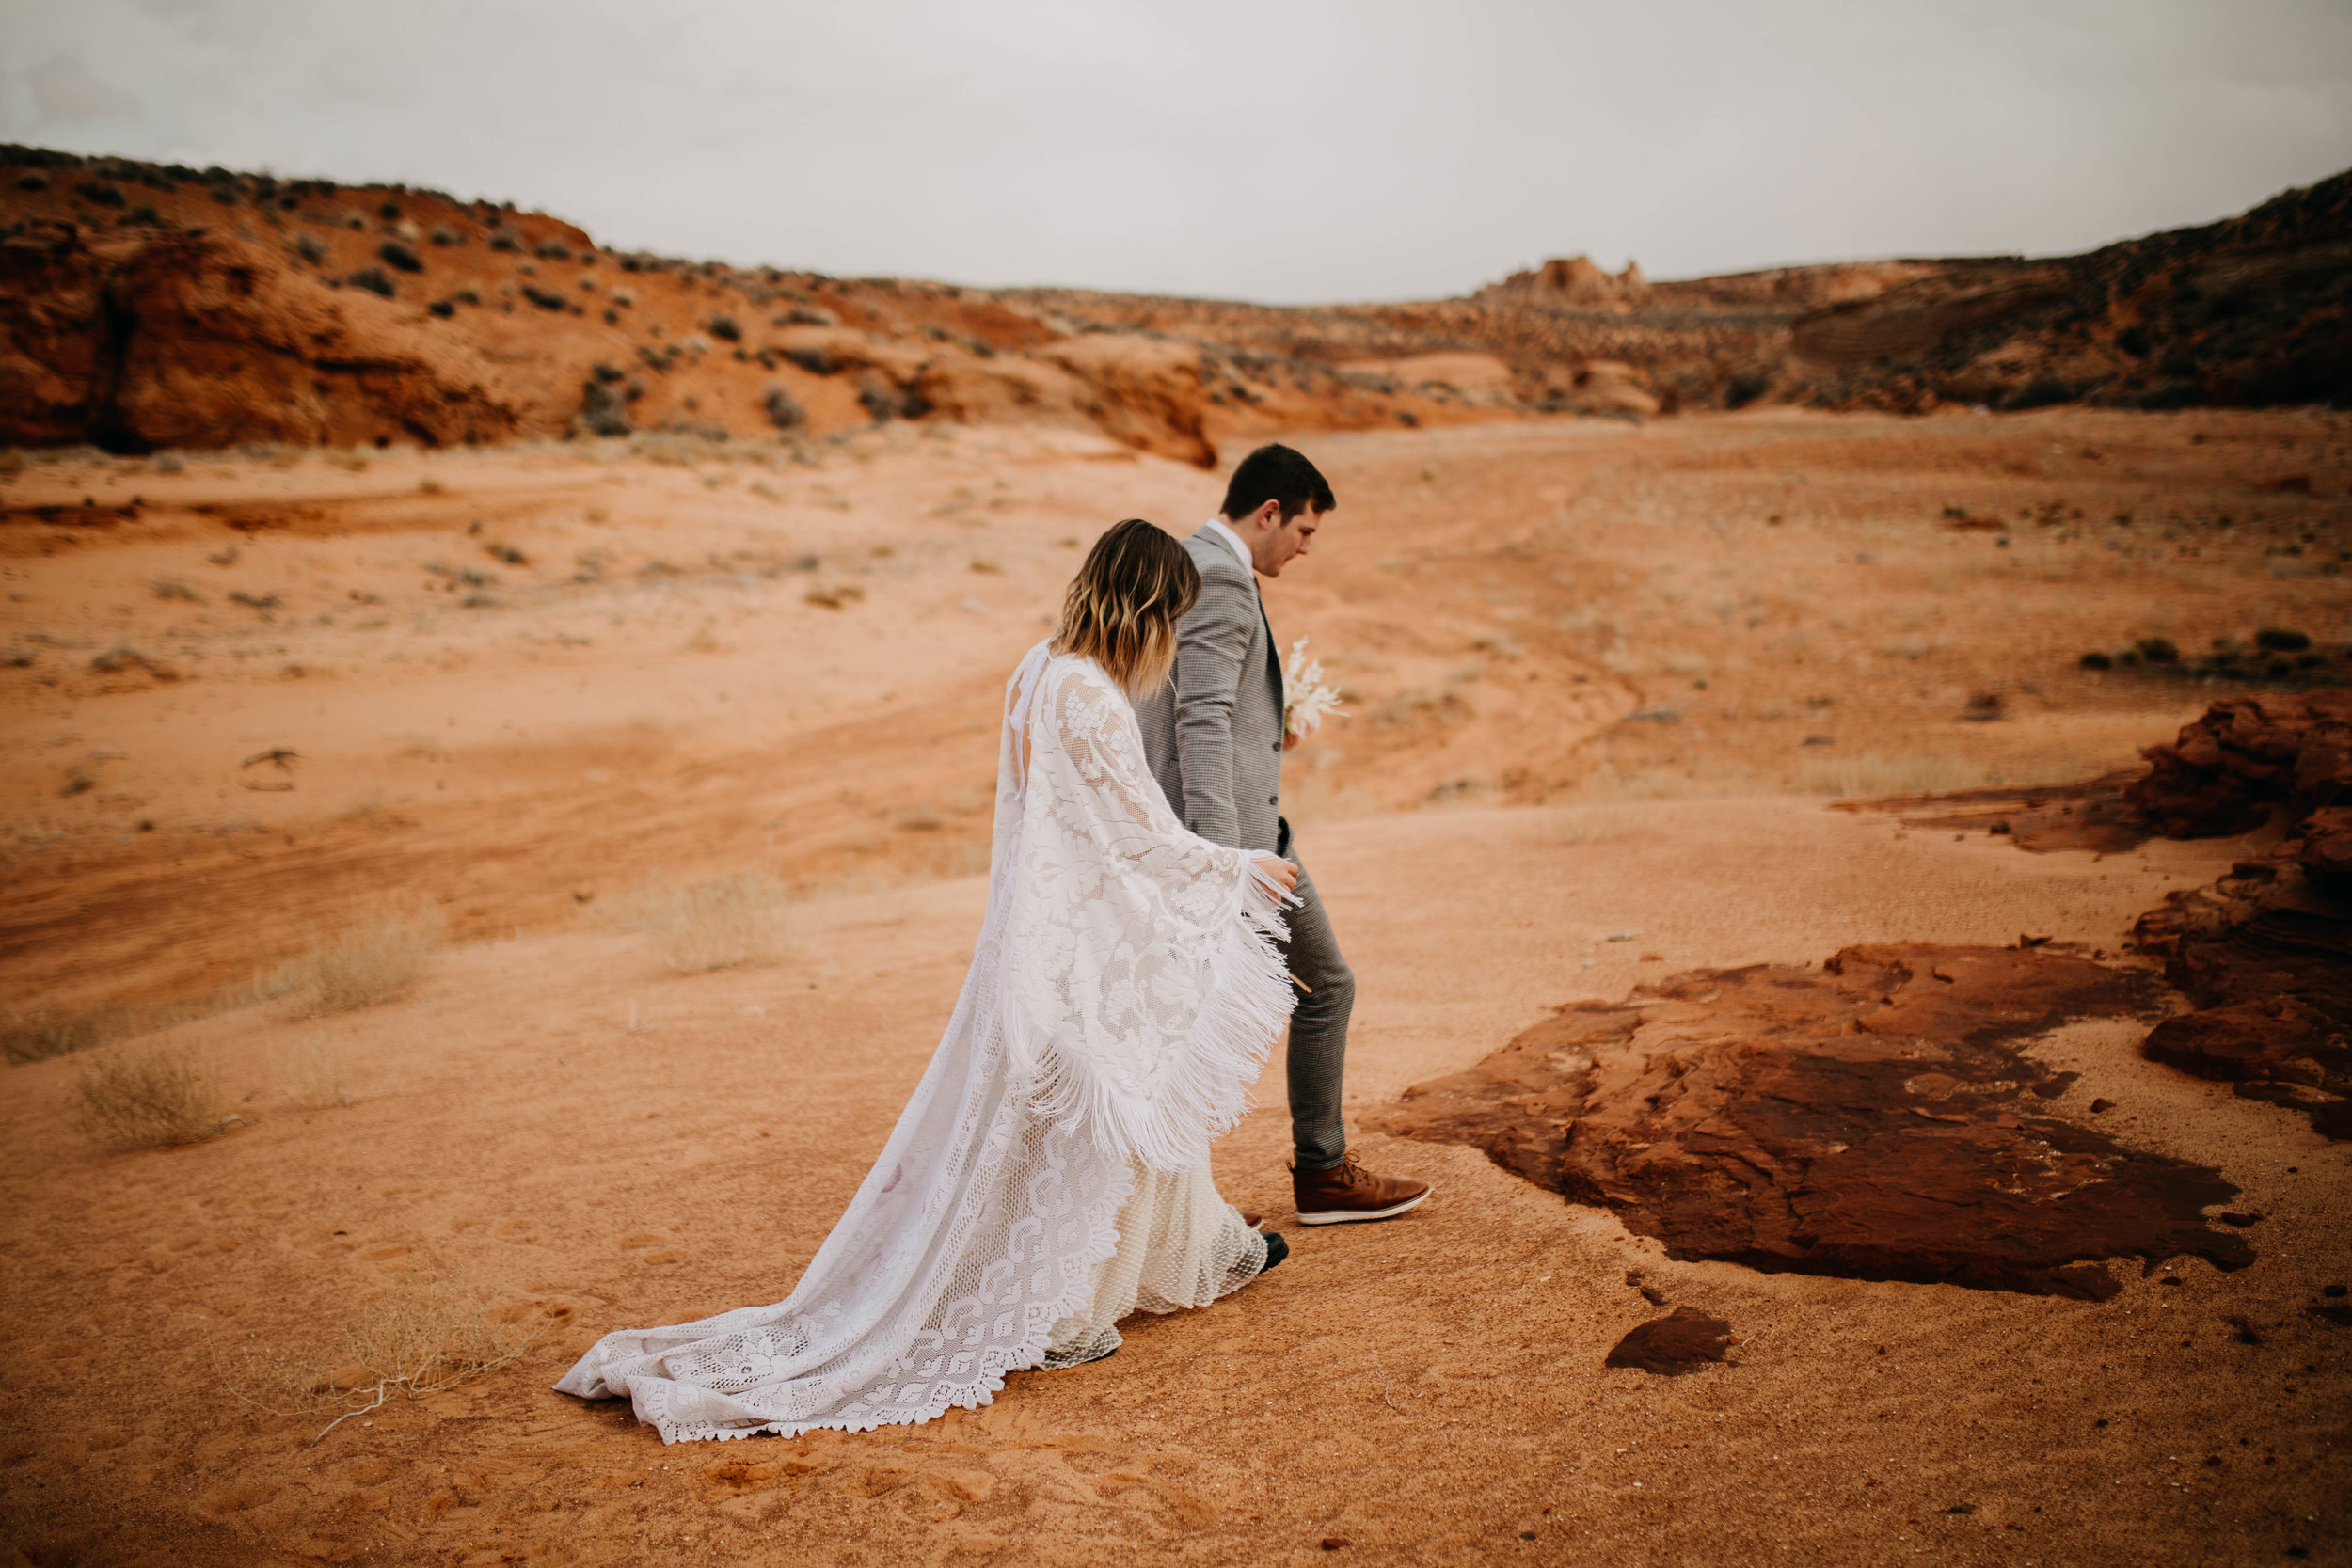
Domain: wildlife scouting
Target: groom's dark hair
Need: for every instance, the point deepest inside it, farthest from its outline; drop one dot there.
(1275, 473)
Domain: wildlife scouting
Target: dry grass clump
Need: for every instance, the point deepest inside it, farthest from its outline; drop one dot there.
(370, 962)
(722, 924)
(152, 1098)
(420, 1337)
(36, 1037)
(1874, 775)
(1610, 785)
(44, 1032)
(317, 1075)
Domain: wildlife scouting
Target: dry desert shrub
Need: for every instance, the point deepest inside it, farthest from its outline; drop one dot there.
(152, 1098)
(420, 1337)
(725, 923)
(370, 961)
(784, 410)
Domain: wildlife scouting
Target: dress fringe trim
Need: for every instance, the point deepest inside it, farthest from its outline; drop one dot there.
(1199, 1095)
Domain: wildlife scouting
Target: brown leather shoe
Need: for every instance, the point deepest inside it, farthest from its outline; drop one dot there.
(1253, 1221)
(1348, 1192)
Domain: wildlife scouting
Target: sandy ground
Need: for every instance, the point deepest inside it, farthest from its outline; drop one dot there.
(597, 1142)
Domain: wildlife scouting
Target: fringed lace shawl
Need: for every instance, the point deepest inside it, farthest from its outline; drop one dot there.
(1122, 995)
(1141, 982)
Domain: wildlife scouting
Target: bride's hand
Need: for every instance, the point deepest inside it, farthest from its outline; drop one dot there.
(1280, 870)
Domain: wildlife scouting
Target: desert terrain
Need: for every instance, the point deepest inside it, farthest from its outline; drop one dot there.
(150, 308)
(1617, 693)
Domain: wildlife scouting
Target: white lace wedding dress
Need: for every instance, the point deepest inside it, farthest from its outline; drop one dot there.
(1051, 1174)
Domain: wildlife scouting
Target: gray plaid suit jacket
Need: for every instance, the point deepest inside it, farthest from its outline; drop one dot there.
(1214, 733)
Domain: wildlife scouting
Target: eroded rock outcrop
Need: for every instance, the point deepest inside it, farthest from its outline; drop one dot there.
(1578, 282)
(2244, 757)
(1872, 1118)
(148, 339)
(2094, 814)
(2266, 954)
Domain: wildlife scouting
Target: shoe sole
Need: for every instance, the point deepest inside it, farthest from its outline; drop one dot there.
(1344, 1216)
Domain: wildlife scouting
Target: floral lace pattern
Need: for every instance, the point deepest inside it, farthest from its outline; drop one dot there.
(1050, 1173)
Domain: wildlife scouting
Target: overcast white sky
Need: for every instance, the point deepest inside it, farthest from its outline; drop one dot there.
(1286, 151)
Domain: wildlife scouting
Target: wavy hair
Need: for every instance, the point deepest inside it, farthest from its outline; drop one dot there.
(1123, 605)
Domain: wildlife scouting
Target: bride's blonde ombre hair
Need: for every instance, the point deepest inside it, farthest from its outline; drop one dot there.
(1123, 605)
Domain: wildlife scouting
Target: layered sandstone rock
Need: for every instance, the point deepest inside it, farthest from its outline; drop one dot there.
(1580, 283)
(178, 338)
(2244, 757)
(2264, 952)
(1872, 1118)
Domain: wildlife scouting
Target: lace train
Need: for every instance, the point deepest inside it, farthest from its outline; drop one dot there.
(1050, 1174)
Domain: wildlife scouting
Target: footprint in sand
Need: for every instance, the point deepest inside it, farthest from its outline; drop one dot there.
(736, 1477)
(1104, 1473)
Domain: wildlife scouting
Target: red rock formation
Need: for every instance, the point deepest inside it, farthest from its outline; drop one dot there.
(2266, 954)
(1578, 281)
(182, 339)
(2244, 757)
(2093, 816)
(1909, 319)
(2326, 855)
(1682, 1342)
(224, 309)
(1872, 1118)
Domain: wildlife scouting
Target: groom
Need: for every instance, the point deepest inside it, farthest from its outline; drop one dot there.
(1215, 737)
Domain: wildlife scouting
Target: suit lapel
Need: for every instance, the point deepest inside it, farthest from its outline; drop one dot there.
(1273, 656)
(1273, 659)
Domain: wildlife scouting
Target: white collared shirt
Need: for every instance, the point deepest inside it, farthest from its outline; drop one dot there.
(1217, 524)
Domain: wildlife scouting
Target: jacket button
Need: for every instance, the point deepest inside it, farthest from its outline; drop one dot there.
(1272, 800)
(1277, 745)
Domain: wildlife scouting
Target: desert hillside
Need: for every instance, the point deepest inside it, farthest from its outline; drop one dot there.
(148, 307)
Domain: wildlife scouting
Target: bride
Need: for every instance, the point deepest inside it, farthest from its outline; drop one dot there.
(1051, 1174)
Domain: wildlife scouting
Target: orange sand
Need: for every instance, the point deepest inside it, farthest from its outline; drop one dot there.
(602, 1143)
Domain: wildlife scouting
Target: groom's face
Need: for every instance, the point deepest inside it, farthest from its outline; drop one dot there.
(1284, 541)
